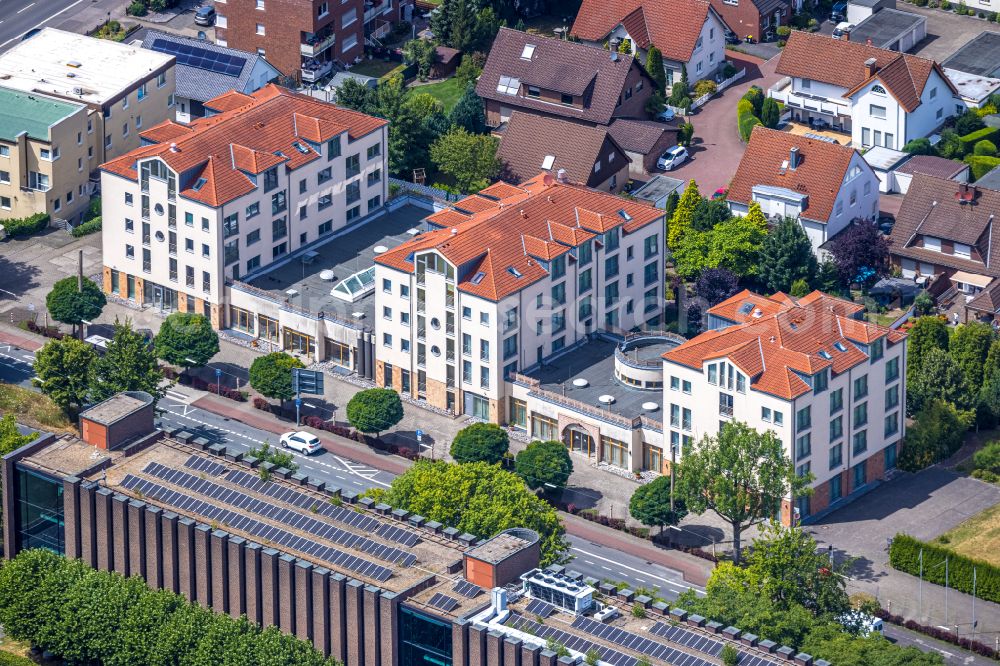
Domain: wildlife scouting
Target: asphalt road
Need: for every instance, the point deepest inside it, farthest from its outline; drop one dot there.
(16, 363)
(19, 16)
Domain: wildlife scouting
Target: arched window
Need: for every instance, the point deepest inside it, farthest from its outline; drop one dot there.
(878, 89)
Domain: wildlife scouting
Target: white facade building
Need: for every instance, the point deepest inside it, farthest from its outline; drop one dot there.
(204, 206)
(880, 97)
(829, 385)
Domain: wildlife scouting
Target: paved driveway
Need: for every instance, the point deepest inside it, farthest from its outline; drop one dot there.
(717, 148)
(946, 32)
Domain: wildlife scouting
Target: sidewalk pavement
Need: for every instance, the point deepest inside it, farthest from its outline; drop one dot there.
(21, 339)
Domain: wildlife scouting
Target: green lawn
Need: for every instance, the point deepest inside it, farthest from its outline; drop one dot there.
(375, 67)
(447, 92)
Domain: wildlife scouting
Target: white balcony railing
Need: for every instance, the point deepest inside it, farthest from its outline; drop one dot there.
(315, 72)
(313, 48)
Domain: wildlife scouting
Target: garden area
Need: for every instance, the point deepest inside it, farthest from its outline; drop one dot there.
(977, 537)
(448, 92)
(967, 139)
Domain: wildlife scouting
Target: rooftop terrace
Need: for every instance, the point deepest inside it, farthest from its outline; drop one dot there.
(308, 281)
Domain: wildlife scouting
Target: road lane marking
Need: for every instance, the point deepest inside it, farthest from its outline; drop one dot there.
(25, 8)
(41, 23)
(683, 586)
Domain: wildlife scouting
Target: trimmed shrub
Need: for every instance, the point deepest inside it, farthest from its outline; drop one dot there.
(744, 107)
(969, 141)
(904, 555)
(232, 394)
(783, 31)
(705, 87)
(980, 165)
(91, 226)
(746, 125)
(25, 226)
(985, 148)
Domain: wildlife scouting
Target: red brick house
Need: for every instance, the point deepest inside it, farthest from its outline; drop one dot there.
(754, 17)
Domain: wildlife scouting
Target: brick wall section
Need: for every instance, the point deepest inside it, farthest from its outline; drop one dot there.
(303, 600)
(136, 538)
(252, 565)
(186, 573)
(875, 467)
(88, 524)
(512, 651)
(546, 658)
(71, 517)
(354, 616)
(219, 570)
(388, 607)
(319, 579)
(152, 518)
(168, 530)
(237, 570)
(286, 593)
(105, 530)
(529, 654)
(477, 646)
(269, 586)
(119, 516)
(460, 642)
(370, 598)
(203, 565)
(494, 648)
(338, 617)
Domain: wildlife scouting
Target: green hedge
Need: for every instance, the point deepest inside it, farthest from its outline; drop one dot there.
(904, 555)
(969, 141)
(980, 165)
(8, 659)
(25, 226)
(85, 616)
(91, 226)
(746, 124)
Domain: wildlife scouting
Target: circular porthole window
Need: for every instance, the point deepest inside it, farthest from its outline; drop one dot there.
(158, 208)
(159, 236)
(435, 323)
(435, 350)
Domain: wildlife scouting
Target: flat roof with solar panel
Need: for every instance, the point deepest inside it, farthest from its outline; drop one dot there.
(356, 541)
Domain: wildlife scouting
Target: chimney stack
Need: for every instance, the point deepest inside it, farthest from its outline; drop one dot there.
(870, 67)
(793, 158)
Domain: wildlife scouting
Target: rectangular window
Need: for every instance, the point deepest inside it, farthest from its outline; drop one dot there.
(861, 387)
(353, 165)
(230, 225)
(820, 381)
(324, 202)
(649, 274)
(374, 177)
(836, 401)
(876, 111)
(353, 213)
(333, 148)
(584, 281)
(803, 418)
(611, 266)
(611, 294)
(765, 414)
(836, 456)
(892, 424)
(279, 228)
(892, 370)
(836, 428)
(484, 377)
(686, 419)
(559, 294)
(860, 442)
(585, 253)
(860, 414)
(803, 446)
(892, 397)
(353, 191)
(779, 418)
(253, 263)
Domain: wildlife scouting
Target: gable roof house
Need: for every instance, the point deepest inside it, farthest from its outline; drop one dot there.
(205, 71)
(555, 79)
(823, 185)
(583, 153)
(950, 229)
(756, 18)
(687, 32)
(881, 97)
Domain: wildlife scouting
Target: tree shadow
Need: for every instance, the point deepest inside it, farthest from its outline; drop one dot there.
(582, 497)
(18, 278)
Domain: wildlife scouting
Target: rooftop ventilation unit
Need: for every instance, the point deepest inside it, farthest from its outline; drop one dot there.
(75, 64)
(559, 590)
(413, 232)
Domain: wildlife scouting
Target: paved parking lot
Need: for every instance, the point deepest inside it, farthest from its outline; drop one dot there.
(946, 32)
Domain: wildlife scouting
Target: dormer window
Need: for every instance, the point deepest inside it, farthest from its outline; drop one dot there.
(567, 99)
(932, 243)
(533, 91)
(962, 250)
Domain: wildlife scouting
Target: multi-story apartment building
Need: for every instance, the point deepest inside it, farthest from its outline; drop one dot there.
(125, 88)
(268, 176)
(880, 97)
(43, 156)
(830, 386)
(302, 38)
(510, 279)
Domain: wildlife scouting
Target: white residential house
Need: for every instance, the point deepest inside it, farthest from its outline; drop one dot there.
(829, 385)
(881, 97)
(821, 184)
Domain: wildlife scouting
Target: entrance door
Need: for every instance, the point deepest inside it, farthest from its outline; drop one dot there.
(450, 401)
(158, 298)
(580, 442)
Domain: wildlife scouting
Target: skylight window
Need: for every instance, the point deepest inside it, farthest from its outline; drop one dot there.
(624, 215)
(825, 354)
(508, 85)
(513, 271)
(198, 184)
(548, 162)
(301, 148)
(478, 277)
(529, 50)
(839, 346)
(746, 308)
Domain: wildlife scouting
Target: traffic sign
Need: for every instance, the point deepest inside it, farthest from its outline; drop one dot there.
(298, 402)
(420, 435)
(218, 373)
(307, 381)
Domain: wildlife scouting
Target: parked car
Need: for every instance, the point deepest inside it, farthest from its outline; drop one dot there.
(886, 222)
(838, 12)
(205, 15)
(665, 116)
(842, 29)
(300, 441)
(732, 37)
(673, 158)
(819, 123)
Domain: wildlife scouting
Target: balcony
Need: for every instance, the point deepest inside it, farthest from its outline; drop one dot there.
(314, 71)
(783, 92)
(378, 10)
(312, 45)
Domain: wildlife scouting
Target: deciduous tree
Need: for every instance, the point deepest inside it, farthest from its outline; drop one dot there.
(62, 372)
(468, 112)
(129, 364)
(683, 215)
(786, 256)
(470, 159)
(927, 333)
(271, 375)
(650, 504)
(741, 475)
(477, 498)
(71, 305)
(186, 340)
(861, 253)
(374, 410)
(770, 114)
(544, 465)
(480, 442)
(716, 285)
(969, 347)
(938, 377)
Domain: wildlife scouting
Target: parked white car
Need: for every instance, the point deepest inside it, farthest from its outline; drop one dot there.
(300, 441)
(843, 28)
(674, 157)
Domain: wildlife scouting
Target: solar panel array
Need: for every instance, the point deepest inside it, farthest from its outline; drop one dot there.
(442, 601)
(637, 643)
(270, 511)
(696, 641)
(193, 55)
(350, 518)
(263, 531)
(540, 608)
(209, 467)
(467, 589)
(572, 641)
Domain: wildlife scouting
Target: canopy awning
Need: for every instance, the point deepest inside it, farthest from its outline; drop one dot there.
(971, 278)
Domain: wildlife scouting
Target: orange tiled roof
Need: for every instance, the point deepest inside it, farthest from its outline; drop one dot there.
(250, 134)
(524, 227)
(673, 26)
(819, 174)
(788, 339)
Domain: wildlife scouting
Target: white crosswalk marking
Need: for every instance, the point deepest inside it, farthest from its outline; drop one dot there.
(177, 396)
